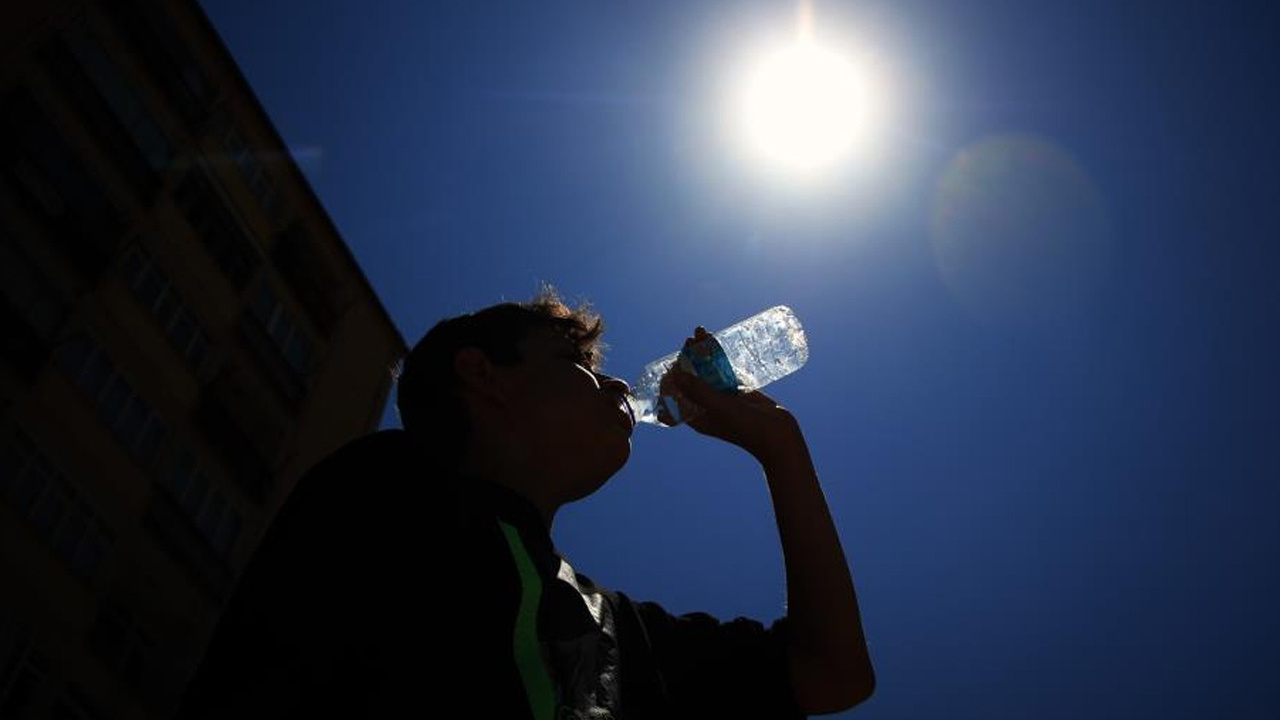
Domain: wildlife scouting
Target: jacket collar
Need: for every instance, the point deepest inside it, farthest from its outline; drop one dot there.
(516, 510)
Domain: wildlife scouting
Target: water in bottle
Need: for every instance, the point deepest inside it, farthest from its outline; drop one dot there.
(743, 357)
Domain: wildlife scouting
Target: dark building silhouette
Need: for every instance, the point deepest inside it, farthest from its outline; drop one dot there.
(182, 333)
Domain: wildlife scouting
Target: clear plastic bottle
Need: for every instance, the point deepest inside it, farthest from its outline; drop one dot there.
(741, 358)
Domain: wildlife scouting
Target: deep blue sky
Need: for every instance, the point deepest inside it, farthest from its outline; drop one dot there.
(1059, 498)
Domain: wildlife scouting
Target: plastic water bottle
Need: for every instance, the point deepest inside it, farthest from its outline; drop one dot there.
(741, 358)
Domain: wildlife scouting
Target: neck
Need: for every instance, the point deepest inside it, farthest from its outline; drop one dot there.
(517, 477)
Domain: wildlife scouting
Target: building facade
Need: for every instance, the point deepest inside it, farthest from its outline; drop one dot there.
(182, 333)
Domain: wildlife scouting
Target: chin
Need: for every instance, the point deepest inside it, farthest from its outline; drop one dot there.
(607, 471)
(623, 457)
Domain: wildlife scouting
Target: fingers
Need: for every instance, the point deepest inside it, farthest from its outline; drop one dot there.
(690, 385)
(695, 391)
(699, 333)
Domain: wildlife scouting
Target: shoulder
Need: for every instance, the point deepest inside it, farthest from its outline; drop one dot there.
(705, 666)
(384, 450)
(374, 496)
(381, 469)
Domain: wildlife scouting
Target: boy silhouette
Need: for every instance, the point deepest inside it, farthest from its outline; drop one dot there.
(412, 572)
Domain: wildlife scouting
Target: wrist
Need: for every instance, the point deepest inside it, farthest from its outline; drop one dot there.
(783, 450)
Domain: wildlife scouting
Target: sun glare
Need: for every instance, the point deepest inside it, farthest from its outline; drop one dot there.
(804, 106)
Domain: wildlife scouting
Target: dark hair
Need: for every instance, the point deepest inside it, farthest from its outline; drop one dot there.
(427, 397)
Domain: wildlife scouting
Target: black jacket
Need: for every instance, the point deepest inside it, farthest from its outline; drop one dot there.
(380, 589)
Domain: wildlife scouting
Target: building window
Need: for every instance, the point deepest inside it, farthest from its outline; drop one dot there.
(219, 229)
(209, 509)
(120, 97)
(55, 185)
(28, 292)
(130, 420)
(155, 293)
(252, 170)
(280, 347)
(73, 705)
(310, 276)
(153, 37)
(20, 670)
(284, 330)
(122, 645)
(21, 678)
(31, 311)
(40, 493)
(111, 108)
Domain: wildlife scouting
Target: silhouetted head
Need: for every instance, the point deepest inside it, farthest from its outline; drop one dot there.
(516, 387)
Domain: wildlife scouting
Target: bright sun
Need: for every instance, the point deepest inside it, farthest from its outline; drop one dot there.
(804, 107)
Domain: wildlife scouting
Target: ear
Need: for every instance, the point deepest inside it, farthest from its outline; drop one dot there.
(478, 375)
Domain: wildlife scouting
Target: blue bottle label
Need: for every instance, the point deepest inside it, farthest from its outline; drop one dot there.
(708, 361)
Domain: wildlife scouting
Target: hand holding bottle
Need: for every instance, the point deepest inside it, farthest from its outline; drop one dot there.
(743, 357)
(752, 420)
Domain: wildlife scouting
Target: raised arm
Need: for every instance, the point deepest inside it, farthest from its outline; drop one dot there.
(830, 666)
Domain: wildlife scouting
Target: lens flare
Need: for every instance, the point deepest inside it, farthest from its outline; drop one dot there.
(1019, 231)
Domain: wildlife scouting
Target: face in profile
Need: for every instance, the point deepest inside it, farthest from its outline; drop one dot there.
(575, 418)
